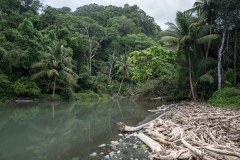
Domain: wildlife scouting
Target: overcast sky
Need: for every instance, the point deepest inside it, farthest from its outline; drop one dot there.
(161, 10)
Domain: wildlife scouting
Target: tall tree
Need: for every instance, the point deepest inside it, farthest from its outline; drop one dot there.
(94, 42)
(124, 67)
(55, 64)
(205, 11)
(225, 11)
(187, 35)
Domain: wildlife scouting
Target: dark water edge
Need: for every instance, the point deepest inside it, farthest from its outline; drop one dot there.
(64, 130)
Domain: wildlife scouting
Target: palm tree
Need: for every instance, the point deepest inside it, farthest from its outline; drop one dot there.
(55, 63)
(124, 66)
(187, 36)
(204, 10)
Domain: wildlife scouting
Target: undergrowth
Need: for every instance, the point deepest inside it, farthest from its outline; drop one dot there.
(226, 97)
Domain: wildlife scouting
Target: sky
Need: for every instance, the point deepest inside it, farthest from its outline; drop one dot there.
(161, 10)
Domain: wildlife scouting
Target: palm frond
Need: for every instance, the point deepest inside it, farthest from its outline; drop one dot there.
(229, 75)
(170, 39)
(205, 39)
(203, 66)
(185, 39)
(168, 33)
(206, 78)
(204, 30)
(171, 27)
(40, 74)
(40, 64)
(52, 72)
(68, 70)
(69, 78)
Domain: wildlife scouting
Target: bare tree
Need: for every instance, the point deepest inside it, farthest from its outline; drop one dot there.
(112, 61)
(94, 44)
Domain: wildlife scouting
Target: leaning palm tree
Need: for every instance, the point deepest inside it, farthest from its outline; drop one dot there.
(124, 67)
(187, 36)
(56, 64)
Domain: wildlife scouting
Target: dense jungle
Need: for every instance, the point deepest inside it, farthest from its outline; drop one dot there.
(108, 51)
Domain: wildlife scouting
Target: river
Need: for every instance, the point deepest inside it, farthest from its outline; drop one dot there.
(64, 130)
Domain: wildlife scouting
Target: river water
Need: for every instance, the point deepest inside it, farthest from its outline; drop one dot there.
(64, 130)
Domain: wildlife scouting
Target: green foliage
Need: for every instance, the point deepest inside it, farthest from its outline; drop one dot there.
(5, 91)
(167, 86)
(90, 95)
(226, 97)
(148, 64)
(24, 35)
(228, 78)
(100, 83)
(56, 63)
(24, 86)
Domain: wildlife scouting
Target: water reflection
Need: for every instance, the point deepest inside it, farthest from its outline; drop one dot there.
(63, 130)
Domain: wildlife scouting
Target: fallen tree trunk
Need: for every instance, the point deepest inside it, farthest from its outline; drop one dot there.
(122, 127)
(155, 147)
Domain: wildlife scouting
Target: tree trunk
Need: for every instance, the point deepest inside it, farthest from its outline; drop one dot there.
(190, 77)
(90, 66)
(90, 57)
(209, 42)
(120, 86)
(220, 52)
(54, 86)
(235, 58)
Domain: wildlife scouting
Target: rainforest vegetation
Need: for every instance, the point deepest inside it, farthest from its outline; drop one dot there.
(102, 51)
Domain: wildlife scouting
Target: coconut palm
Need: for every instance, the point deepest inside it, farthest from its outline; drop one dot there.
(187, 36)
(56, 64)
(124, 67)
(204, 10)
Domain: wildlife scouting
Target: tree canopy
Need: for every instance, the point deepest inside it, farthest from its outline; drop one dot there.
(104, 44)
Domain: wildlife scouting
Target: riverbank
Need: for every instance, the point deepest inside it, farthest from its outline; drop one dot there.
(131, 147)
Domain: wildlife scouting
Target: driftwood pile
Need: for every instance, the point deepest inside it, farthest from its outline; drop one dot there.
(192, 132)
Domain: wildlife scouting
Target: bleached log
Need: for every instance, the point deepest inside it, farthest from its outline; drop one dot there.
(176, 155)
(222, 151)
(195, 150)
(155, 146)
(161, 140)
(228, 157)
(215, 155)
(122, 127)
(157, 134)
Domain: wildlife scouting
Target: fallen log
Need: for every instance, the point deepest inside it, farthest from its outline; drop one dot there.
(155, 147)
(122, 127)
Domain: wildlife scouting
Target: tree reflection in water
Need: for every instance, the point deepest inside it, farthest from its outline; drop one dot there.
(63, 130)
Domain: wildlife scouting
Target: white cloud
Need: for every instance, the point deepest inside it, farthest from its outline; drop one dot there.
(161, 10)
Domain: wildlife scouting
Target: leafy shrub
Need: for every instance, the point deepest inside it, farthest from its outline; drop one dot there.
(226, 97)
(104, 96)
(24, 86)
(90, 95)
(45, 95)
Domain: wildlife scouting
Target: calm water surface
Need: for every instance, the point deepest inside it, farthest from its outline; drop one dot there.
(63, 130)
